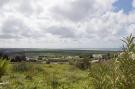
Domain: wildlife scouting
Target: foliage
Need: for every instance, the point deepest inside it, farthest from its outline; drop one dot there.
(83, 64)
(118, 73)
(99, 74)
(3, 67)
(49, 76)
(127, 64)
(72, 61)
(22, 67)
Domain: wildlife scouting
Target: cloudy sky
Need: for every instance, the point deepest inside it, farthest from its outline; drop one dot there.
(65, 23)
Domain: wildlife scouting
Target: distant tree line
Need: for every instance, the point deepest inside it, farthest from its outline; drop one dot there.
(17, 58)
(4, 56)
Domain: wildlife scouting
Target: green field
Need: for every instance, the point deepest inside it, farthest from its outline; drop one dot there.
(43, 76)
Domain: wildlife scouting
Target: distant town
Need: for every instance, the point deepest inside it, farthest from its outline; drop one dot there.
(56, 56)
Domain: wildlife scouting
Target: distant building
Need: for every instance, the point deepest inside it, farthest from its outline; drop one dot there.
(69, 57)
(98, 56)
(94, 61)
(101, 56)
(31, 59)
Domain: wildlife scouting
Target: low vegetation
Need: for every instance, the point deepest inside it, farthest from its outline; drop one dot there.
(83, 64)
(46, 76)
(3, 67)
(116, 73)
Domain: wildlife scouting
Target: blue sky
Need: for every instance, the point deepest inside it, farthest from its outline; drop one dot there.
(65, 23)
(125, 5)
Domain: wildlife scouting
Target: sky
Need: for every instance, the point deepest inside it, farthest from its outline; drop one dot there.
(65, 23)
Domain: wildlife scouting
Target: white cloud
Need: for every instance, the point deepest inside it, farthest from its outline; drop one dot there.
(63, 23)
(133, 4)
(82, 9)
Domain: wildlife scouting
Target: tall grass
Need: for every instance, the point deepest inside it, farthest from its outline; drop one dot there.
(127, 64)
(118, 73)
(21, 67)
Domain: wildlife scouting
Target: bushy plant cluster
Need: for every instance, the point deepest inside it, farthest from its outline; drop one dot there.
(118, 73)
(22, 67)
(3, 67)
(83, 64)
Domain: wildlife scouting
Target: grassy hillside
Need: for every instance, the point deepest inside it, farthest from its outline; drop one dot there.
(43, 76)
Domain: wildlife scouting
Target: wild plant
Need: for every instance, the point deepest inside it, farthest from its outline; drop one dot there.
(4, 64)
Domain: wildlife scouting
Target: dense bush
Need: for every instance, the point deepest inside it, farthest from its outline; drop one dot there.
(127, 64)
(71, 61)
(19, 58)
(118, 73)
(22, 67)
(99, 76)
(4, 56)
(3, 67)
(83, 63)
(48, 62)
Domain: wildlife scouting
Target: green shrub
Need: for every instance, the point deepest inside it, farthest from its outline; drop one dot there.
(127, 64)
(3, 67)
(71, 61)
(99, 76)
(22, 67)
(48, 62)
(83, 64)
(118, 73)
